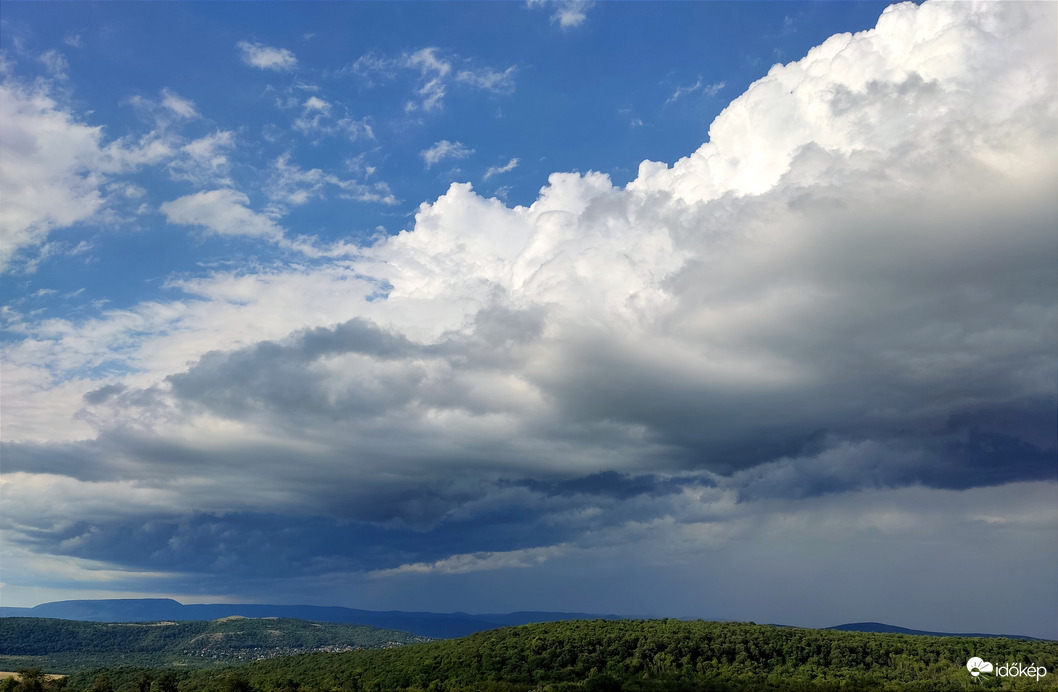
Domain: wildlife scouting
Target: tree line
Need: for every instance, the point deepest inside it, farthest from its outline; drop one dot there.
(609, 656)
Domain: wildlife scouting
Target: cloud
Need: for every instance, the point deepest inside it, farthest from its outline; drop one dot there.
(178, 105)
(317, 118)
(169, 115)
(714, 88)
(56, 63)
(433, 70)
(204, 161)
(444, 149)
(476, 562)
(290, 184)
(807, 332)
(371, 67)
(488, 79)
(47, 170)
(683, 91)
(568, 14)
(313, 114)
(708, 89)
(55, 170)
(505, 168)
(222, 211)
(435, 73)
(315, 103)
(266, 57)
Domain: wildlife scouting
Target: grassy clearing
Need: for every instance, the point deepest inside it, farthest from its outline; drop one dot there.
(5, 674)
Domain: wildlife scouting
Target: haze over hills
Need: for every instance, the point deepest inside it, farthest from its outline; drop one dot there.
(427, 624)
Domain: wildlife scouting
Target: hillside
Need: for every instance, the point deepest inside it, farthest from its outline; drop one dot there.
(66, 645)
(632, 655)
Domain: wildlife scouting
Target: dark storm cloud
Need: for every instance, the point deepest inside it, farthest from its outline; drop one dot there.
(276, 546)
(609, 484)
(243, 544)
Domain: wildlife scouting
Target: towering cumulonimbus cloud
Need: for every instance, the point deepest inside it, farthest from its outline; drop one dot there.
(860, 252)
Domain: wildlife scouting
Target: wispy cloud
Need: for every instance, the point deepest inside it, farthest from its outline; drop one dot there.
(436, 72)
(567, 14)
(290, 184)
(496, 170)
(205, 160)
(489, 79)
(477, 562)
(372, 68)
(714, 88)
(56, 64)
(314, 112)
(707, 89)
(181, 106)
(266, 57)
(432, 70)
(444, 150)
(682, 91)
(318, 117)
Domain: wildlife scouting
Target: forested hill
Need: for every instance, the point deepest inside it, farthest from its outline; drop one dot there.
(627, 655)
(64, 646)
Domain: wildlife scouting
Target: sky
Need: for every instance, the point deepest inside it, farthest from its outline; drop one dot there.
(735, 311)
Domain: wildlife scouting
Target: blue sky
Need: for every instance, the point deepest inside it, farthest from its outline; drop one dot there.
(696, 309)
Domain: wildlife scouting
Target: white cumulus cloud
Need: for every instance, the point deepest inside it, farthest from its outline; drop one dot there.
(223, 211)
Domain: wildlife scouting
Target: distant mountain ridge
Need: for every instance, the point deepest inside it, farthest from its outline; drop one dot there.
(427, 624)
(441, 625)
(893, 629)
